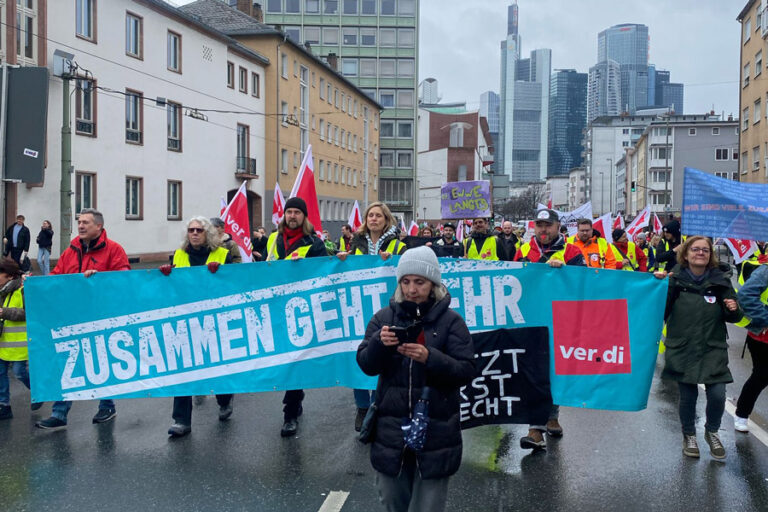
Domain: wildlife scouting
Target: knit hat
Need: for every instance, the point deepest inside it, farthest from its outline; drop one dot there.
(298, 203)
(419, 261)
(617, 233)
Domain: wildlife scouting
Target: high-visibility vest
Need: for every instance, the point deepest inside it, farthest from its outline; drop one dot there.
(487, 251)
(662, 266)
(648, 251)
(394, 247)
(181, 258)
(342, 245)
(631, 256)
(272, 255)
(13, 340)
(558, 255)
(602, 249)
(744, 322)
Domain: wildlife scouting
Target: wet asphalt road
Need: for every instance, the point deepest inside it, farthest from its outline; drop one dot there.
(606, 461)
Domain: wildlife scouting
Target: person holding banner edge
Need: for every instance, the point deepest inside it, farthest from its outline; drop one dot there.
(436, 353)
(201, 246)
(481, 244)
(294, 239)
(378, 235)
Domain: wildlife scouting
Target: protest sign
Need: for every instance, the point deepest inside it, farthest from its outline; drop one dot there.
(465, 199)
(570, 219)
(281, 325)
(722, 208)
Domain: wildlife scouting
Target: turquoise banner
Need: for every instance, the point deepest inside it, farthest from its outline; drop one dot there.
(297, 324)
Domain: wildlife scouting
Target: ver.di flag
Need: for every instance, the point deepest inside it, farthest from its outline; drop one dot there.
(355, 219)
(304, 187)
(278, 205)
(637, 225)
(741, 249)
(236, 222)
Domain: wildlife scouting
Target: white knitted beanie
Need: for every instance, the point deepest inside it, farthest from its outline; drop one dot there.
(419, 261)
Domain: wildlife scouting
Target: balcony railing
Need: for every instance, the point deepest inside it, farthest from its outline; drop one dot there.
(84, 126)
(246, 166)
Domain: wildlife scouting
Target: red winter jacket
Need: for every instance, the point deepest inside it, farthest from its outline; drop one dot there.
(102, 254)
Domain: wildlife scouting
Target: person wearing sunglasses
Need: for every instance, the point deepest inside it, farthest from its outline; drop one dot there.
(700, 300)
(201, 246)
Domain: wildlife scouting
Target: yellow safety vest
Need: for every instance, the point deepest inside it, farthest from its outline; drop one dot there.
(342, 245)
(181, 258)
(394, 247)
(559, 255)
(13, 340)
(631, 256)
(487, 251)
(272, 255)
(744, 322)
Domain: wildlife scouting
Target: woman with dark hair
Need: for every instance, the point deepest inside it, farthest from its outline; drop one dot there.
(427, 232)
(436, 353)
(44, 244)
(700, 301)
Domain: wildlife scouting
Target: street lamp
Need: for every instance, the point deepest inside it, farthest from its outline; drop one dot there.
(610, 184)
(602, 193)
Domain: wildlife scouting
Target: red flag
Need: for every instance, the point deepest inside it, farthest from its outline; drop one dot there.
(402, 225)
(236, 223)
(741, 249)
(278, 206)
(355, 219)
(460, 231)
(657, 227)
(641, 221)
(549, 202)
(223, 206)
(619, 222)
(413, 229)
(304, 187)
(601, 224)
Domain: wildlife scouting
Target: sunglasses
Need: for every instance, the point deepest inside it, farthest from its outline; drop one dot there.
(195, 230)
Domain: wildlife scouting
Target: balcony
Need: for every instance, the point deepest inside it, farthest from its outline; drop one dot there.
(246, 168)
(84, 127)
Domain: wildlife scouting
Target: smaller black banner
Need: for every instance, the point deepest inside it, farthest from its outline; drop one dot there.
(512, 380)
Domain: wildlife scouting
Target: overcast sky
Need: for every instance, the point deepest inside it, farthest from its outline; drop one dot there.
(696, 40)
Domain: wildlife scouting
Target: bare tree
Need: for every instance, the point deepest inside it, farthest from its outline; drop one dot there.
(522, 206)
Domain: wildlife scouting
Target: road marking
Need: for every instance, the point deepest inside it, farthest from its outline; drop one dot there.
(334, 501)
(754, 429)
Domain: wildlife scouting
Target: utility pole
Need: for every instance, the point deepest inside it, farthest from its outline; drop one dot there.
(610, 184)
(65, 226)
(3, 117)
(667, 205)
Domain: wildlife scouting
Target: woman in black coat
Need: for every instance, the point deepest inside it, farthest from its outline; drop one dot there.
(439, 355)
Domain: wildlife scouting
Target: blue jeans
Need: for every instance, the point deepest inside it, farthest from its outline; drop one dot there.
(714, 410)
(21, 372)
(61, 409)
(44, 260)
(364, 398)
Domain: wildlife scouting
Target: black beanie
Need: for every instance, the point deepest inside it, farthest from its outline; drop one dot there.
(298, 203)
(617, 234)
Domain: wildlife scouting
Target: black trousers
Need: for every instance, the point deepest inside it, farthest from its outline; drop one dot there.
(182, 407)
(292, 404)
(756, 382)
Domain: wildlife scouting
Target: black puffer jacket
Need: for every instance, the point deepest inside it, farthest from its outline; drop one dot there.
(449, 366)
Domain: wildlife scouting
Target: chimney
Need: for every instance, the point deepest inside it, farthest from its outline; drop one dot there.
(308, 47)
(258, 13)
(245, 6)
(333, 61)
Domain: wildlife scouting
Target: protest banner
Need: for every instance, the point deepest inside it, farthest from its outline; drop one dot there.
(465, 199)
(722, 208)
(570, 219)
(297, 324)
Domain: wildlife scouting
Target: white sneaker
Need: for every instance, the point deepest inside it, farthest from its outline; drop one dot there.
(740, 424)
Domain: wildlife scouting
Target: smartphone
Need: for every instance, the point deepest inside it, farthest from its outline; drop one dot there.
(400, 332)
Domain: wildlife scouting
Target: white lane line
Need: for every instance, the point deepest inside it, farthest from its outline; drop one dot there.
(334, 501)
(754, 429)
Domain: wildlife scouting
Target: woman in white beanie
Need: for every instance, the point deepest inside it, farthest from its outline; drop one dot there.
(437, 353)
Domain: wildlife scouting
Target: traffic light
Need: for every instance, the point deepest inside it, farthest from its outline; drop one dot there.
(633, 186)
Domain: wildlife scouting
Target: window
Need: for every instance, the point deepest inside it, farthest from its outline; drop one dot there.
(331, 6)
(387, 98)
(284, 65)
(322, 88)
(330, 36)
(406, 67)
(85, 191)
(343, 176)
(722, 154)
(174, 200)
(746, 74)
(284, 112)
(747, 29)
(274, 6)
(336, 97)
(85, 19)
(292, 6)
(745, 119)
(349, 37)
(312, 6)
(371, 93)
(322, 129)
(321, 170)
(367, 37)
(404, 159)
(350, 7)
(405, 129)
(758, 113)
(387, 158)
(133, 198)
(255, 85)
(284, 161)
(312, 35)
(134, 116)
(354, 178)
(405, 98)
(336, 135)
(336, 173)
(387, 37)
(367, 67)
(659, 153)
(174, 52)
(758, 63)
(174, 126)
(715, 131)
(243, 148)
(387, 129)
(26, 41)
(692, 131)
(354, 143)
(304, 108)
(396, 191)
(406, 7)
(343, 102)
(735, 154)
(456, 136)
(293, 33)
(406, 37)
(756, 158)
(328, 93)
(349, 67)
(368, 7)
(230, 75)
(744, 163)
(387, 67)
(133, 35)
(387, 7)
(625, 131)
(330, 134)
(295, 159)
(85, 108)
(243, 80)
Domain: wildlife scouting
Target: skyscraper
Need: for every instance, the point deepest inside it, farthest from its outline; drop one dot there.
(428, 92)
(604, 90)
(667, 94)
(378, 45)
(567, 119)
(489, 108)
(524, 108)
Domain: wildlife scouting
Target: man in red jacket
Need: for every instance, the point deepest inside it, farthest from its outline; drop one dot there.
(90, 252)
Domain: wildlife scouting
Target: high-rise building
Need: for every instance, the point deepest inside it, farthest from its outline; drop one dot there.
(428, 92)
(604, 90)
(377, 41)
(489, 109)
(667, 94)
(524, 108)
(567, 120)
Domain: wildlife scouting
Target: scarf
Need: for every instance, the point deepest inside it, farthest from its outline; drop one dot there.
(291, 236)
(375, 248)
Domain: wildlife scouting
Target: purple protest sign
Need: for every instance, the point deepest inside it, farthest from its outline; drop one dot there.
(465, 199)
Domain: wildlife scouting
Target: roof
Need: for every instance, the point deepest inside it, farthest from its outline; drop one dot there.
(745, 10)
(235, 23)
(168, 9)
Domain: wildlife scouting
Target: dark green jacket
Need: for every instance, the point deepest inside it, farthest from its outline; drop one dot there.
(697, 352)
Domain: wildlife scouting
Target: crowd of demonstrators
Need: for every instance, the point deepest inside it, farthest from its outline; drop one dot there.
(259, 244)
(547, 246)
(507, 242)
(481, 243)
(378, 235)
(667, 247)
(448, 236)
(44, 243)
(410, 476)
(91, 251)
(345, 239)
(225, 240)
(627, 255)
(593, 247)
(16, 242)
(700, 300)
(641, 240)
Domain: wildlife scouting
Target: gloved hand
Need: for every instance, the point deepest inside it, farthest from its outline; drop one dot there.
(166, 269)
(762, 259)
(213, 266)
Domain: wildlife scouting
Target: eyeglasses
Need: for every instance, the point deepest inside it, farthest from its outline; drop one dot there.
(195, 230)
(702, 250)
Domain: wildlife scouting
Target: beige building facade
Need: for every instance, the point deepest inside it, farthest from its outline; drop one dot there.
(753, 98)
